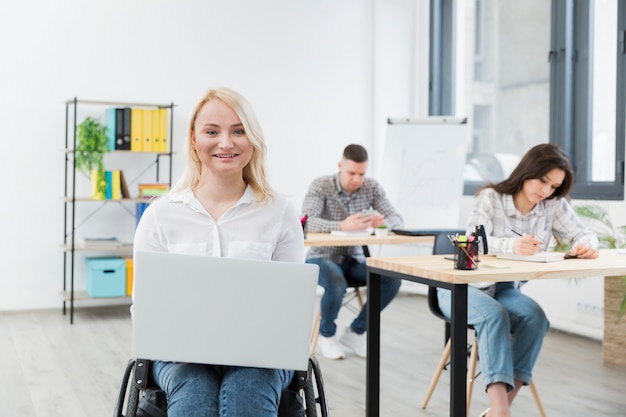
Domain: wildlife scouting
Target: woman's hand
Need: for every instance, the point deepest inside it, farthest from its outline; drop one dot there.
(584, 251)
(527, 245)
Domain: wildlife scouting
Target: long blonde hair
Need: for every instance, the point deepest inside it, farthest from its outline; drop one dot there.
(254, 172)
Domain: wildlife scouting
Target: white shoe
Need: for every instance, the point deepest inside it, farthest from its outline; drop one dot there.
(355, 342)
(330, 348)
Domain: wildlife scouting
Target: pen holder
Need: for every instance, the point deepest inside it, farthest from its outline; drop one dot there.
(466, 255)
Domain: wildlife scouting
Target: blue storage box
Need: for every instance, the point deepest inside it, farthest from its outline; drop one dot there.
(105, 277)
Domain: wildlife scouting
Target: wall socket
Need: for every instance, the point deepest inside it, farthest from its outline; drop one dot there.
(585, 307)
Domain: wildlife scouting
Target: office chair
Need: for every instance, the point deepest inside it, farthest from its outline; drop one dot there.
(305, 396)
(347, 302)
(442, 246)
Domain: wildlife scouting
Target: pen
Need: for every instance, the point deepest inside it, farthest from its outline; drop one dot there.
(524, 234)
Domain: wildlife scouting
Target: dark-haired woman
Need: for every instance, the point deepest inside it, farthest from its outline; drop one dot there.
(519, 214)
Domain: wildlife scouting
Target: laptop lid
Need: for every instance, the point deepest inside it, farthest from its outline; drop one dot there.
(223, 311)
(422, 232)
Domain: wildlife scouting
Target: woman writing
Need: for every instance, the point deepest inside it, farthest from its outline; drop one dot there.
(519, 214)
(222, 206)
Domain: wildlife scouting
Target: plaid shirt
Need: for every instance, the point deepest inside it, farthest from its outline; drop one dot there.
(498, 214)
(327, 205)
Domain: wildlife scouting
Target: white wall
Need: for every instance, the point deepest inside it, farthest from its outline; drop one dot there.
(320, 74)
(307, 67)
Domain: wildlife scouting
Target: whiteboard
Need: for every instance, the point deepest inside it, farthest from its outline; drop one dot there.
(422, 171)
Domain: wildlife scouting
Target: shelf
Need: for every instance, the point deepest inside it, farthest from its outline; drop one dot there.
(124, 151)
(125, 248)
(121, 200)
(83, 296)
(118, 103)
(71, 245)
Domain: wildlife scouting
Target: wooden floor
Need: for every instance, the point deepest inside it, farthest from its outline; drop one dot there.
(49, 368)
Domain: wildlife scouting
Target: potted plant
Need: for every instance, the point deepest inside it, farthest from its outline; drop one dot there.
(611, 237)
(381, 230)
(92, 144)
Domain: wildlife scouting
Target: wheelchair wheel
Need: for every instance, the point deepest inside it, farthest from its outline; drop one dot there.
(310, 403)
(314, 393)
(133, 394)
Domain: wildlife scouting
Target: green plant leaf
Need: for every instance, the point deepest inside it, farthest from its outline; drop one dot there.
(92, 144)
(599, 221)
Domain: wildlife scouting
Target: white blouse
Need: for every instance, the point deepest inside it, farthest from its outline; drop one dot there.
(177, 223)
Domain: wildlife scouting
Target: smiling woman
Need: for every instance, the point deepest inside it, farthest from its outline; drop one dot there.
(219, 112)
(223, 150)
(223, 207)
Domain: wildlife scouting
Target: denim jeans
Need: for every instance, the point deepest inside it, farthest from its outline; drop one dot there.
(334, 279)
(510, 328)
(195, 390)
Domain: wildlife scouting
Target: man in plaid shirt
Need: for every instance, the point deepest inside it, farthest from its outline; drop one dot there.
(346, 201)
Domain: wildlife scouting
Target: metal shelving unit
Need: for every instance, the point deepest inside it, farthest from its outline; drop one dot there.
(72, 201)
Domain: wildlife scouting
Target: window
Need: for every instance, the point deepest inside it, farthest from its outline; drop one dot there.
(586, 104)
(536, 72)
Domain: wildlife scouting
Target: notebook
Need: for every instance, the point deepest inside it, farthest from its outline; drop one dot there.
(538, 257)
(353, 233)
(423, 232)
(223, 311)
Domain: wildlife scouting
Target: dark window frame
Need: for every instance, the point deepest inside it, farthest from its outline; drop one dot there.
(570, 90)
(571, 96)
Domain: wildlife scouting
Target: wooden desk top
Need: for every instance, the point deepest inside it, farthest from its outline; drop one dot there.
(326, 239)
(611, 262)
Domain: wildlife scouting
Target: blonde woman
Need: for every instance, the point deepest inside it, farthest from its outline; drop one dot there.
(222, 206)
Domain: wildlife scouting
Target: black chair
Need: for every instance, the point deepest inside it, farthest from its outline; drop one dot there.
(305, 396)
(443, 246)
(347, 302)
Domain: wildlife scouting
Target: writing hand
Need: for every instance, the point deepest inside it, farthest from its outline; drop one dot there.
(527, 245)
(584, 251)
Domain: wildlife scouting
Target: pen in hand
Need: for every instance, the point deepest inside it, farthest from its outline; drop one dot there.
(535, 242)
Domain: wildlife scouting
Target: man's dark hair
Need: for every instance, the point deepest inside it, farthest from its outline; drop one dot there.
(355, 153)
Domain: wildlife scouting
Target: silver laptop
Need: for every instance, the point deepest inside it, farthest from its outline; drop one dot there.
(223, 311)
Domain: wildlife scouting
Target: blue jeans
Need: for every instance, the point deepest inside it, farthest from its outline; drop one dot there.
(334, 279)
(510, 328)
(195, 390)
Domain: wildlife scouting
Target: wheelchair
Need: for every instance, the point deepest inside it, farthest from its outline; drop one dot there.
(305, 396)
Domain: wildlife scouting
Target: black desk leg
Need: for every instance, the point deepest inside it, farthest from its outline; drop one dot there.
(372, 392)
(458, 354)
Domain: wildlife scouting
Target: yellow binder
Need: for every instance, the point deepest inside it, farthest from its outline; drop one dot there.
(136, 130)
(116, 185)
(156, 131)
(148, 131)
(129, 277)
(164, 133)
